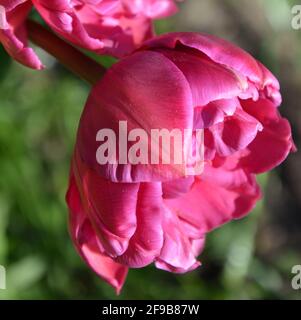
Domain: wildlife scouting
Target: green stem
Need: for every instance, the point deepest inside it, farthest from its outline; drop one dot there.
(73, 59)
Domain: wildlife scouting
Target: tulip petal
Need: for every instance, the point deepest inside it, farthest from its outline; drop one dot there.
(177, 254)
(152, 9)
(13, 33)
(214, 112)
(270, 86)
(235, 133)
(147, 241)
(208, 80)
(175, 188)
(273, 144)
(61, 17)
(196, 247)
(217, 49)
(218, 196)
(226, 54)
(114, 27)
(85, 240)
(110, 206)
(157, 99)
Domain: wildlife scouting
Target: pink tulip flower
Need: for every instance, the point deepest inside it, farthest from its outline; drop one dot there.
(13, 32)
(131, 215)
(114, 27)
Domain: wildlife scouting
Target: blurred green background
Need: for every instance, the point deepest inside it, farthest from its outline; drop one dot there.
(39, 114)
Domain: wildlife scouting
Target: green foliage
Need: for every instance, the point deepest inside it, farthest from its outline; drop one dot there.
(5, 62)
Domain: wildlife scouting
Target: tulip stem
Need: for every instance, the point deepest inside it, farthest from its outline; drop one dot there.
(73, 59)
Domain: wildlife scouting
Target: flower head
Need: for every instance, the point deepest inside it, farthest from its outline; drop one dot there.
(113, 27)
(128, 215)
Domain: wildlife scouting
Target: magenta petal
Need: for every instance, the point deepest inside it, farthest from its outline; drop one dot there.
(178, 253)
(274, 143)
(85, 240)
(227, 55)
(154, 9)
(147, 241)
(160, 264)
(235, 133)
(114, 27)
(61, 17)
(13, 34)
(214, 112)
(175, 188)
(219, 50)
(271, 86)
(111, 207)
(208, 80)
(157, 99)
(219, 196)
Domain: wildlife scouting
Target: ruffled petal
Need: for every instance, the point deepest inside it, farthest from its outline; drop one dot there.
(106, 27)
(178, 253)
(214, 112)
(218, 196)
(85, 240)
(175, 188)
(235, 133)
(217, 49)
(270, 86)
(62, 18)
(146, 244)
(110, 206)
(13, 33)
(226, 54)
(273, 144)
